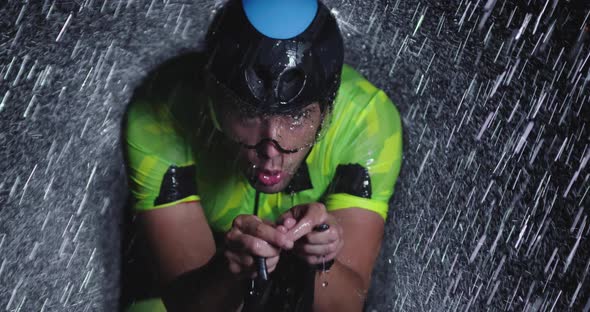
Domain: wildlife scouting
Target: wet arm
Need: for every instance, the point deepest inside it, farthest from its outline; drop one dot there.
(194, 276)
(349, 278)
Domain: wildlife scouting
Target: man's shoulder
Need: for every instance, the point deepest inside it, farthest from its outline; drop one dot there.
(353, 81)
(147, 118)
(164, 127)
(357, 96)
(363, 117)
(170, 96)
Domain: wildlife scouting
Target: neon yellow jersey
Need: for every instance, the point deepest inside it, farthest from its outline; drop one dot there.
(355, 164)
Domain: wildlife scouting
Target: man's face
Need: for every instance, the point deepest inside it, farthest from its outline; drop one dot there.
(273, 146)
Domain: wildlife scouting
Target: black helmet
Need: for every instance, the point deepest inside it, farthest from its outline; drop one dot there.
(275, 56)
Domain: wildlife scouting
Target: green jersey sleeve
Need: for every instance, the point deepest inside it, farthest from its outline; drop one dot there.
(159, 160)
(369, 151)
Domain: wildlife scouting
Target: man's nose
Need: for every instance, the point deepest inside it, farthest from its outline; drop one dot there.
(271, 131)
(267, 149)
(271, 128)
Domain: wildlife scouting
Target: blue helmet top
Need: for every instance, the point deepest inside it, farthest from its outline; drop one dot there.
(274, 56)
(280, 19)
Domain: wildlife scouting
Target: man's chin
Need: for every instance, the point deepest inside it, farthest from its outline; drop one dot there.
(270, 189)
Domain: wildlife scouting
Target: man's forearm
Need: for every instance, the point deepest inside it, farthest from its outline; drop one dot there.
(209, 288)
(340, 289)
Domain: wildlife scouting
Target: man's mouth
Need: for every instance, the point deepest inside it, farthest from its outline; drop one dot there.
(269, 177)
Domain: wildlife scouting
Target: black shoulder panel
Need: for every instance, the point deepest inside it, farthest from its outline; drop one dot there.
(178, 182)
(301, 180)
(351, 179)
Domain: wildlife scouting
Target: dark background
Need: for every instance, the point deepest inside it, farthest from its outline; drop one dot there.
(491, 207)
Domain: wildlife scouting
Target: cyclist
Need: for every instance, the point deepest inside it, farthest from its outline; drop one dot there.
(288, 156)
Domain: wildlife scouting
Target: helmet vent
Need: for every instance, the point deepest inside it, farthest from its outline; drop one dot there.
(291, 83)
(259, 82)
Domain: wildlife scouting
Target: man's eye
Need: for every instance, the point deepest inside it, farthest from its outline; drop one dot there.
(247, 120)
(299, 117)
(297, 120)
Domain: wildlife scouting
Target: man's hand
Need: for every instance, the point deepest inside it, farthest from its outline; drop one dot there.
(249, 237)
(312, 246)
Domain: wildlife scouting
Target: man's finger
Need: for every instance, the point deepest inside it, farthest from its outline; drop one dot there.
(271, 264)
(318, 250)
(302, 228)
(245, 261)
(282, 229)
(266, 232)
(244, 243)
(313, 259)
(330, 256)
(321, 238)
(257, 247)
(287, 215)
(235, 268)
(313, 217)
(243, 218)
(233, 233)
(289, 223)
